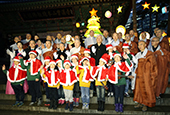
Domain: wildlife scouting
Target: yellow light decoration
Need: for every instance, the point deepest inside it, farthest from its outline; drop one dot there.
(146, 5)
(121, 29)
(164, 34)
(77, 25)
(119, 9)
(93, 12)
(155, 8)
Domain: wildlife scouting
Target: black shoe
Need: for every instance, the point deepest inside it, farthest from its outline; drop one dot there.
(102, 105)
(99, 105)
(51, 104)
(66, 108)
(71, 106)
(55, 104)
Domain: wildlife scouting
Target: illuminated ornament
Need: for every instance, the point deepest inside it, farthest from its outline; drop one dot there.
(146, 5)
(164, 10)
(121, 29)
(77, 25)
(147, 35)
(119, 9)
(93, 12)
(155, 8)
(164, 34)
(108, 14)
(82, 24)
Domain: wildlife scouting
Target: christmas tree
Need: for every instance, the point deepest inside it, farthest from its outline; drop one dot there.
(93, 24)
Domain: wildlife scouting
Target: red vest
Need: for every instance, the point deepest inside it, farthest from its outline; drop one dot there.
(100, 73)
(16, 77)
(113, 71)
(52, 78)
(67, 77)
(34, 66)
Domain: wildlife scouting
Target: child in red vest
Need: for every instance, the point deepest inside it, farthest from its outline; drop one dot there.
(119, 68)
(67, 80)
(45, 67)
(100, 73)
(16, 75)
(33, 76)
(52, 78)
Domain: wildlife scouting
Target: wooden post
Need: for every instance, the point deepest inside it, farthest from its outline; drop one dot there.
(168, 31)
(134, 15)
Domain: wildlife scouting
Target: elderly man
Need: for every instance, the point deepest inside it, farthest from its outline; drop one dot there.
(120, 37)
(58, 40)
(78, 49)
(28, 38)
(98, 49)
(146, 76)
(62, 54)
(14, 46)
(48, 51)
(132, 36)
(90, 40)
(106, 38)
(162, 59)
(115, 42)
(32, 46)
(132, 45)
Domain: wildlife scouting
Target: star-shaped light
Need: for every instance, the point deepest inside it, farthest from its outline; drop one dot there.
(164, 34)
(119, 9)
(146, 5)
(93, 12)
(155, 8)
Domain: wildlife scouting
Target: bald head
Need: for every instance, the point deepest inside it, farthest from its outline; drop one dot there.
(155, 42)
(141, 45)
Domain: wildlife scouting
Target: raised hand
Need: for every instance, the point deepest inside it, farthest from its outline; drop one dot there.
(3, 67)
(125, 56)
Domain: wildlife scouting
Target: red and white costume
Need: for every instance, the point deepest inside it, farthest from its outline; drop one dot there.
(118, 66)
(16, 74)
(67, 76)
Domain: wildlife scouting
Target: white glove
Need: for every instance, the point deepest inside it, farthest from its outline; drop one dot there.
(93, 49)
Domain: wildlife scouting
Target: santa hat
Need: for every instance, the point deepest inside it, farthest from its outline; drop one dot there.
(58, 60)
(74, 56)
(47, 58)
(125, 45)
(33, 52)
(104, 59)
(83, 59)
(115, 54)
(87, 51)
(16, 58)
(52, 62)
(67, 62)
(109, 46)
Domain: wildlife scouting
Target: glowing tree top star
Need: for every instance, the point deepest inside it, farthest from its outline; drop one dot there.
(155, 8)
(119, 9)
(93, 12)
(146, 5)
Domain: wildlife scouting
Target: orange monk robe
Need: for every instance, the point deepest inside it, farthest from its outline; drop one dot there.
(146, 77)
(119, 47)
(162, 59)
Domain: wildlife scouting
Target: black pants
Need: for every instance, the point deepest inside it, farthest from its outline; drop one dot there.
(110, 86)
(19, 92)
(47, 91)
(53, 92)
(34, 90)
(76, 90)
(119, 93)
